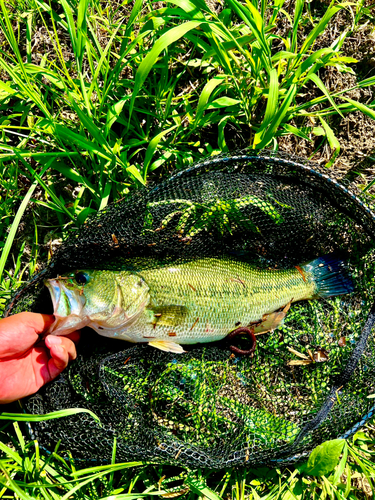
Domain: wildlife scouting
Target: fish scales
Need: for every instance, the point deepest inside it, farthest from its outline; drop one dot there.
(219, 293)
(197, 301)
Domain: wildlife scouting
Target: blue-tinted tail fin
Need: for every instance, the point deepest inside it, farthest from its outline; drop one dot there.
(330, 275)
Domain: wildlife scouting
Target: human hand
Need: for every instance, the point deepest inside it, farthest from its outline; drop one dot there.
(26, 362)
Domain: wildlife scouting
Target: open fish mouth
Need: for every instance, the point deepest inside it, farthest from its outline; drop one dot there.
(68, 305)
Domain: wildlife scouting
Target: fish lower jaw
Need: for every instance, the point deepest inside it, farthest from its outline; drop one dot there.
(63, 325)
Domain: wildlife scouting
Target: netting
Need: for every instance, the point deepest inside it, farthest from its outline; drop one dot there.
(308, 381)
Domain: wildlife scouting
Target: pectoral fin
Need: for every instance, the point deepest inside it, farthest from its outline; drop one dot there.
(167, 345)
(170, 315)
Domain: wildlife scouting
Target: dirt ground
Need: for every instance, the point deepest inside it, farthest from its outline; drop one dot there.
(355, 131)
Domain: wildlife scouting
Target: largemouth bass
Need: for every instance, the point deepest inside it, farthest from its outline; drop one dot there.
(198, 301)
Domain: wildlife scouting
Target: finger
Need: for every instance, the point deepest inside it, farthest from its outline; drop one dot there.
(61, 349)
(36, 322)
(67, 341)
(19, 332)
(55, 368)
(74, 337)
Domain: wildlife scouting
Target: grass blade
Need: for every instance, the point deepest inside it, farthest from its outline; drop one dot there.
(152, 147)
(296, 131)
(27, 89)
(318, 82)
(16, 222)
(194, 7)
(254, 20)
(9, 34)
(277, 119)
(89, 124)
(367, 82)
(271, 108)
(11, 453)
(73, 138)
(134, 13)
(297, 17)
(81, 30)
(113, 113)
(71, 24)
(319, 28)
(332, 141)
(204, 97)
(106, 468)
(72, 174)
(25, 417)
(12, 485)
(320, 54)
(198, 486)
(47, 188)
(101, 62)
(149, 61)
(46, 8)
(361, 107)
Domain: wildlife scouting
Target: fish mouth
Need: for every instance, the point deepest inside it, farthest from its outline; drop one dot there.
(68, 307)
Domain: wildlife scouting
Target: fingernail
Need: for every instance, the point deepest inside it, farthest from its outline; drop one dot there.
(54, 340)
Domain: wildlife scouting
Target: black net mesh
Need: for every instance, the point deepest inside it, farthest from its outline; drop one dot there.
(307, 382)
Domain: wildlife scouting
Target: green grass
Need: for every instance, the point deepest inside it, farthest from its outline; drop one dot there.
(120, 95)
(27, 472)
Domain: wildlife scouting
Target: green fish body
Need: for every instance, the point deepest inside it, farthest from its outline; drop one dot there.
(197, 301)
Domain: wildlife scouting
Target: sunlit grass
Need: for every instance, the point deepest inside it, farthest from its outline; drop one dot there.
(27, 472)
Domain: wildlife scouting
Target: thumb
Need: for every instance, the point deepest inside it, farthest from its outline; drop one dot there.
(20, 332)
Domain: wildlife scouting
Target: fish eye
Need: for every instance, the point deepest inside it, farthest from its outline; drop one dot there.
(81, 278)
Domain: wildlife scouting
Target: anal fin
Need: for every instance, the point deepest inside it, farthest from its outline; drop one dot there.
(271, 321)
(167, 345)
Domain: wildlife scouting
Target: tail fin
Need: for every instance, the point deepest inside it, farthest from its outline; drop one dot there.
(330, 275)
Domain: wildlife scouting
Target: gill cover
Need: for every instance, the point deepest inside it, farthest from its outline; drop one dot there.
(107, 301)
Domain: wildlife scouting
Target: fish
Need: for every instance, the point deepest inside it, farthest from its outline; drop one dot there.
(198, 301)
